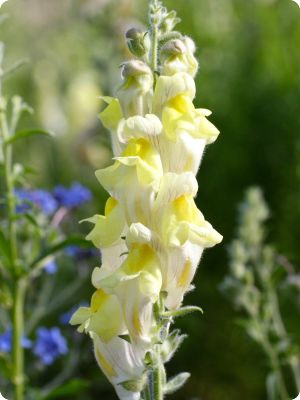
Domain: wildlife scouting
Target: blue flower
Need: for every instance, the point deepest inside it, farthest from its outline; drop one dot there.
(24, 200)
(73, 196)
(50, 344)
(44, 200)
(40, 198)
(50, 267)
(80, 253)
(6, 342)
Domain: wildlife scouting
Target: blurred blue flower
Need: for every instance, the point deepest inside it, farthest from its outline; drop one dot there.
(80, 253)
(40, 198)
(6, 342)
(24, 200)
(50, 267)
(65, 317)
(44, 200)
(49, 345)
(73, 196)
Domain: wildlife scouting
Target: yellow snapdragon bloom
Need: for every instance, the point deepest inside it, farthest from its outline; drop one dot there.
(137, 284)
(152, 235)
(133, 179)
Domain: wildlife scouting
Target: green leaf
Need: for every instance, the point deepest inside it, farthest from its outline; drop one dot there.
(75, 240)
(176, 383)
(18, 64)
(68, 389)
(26, 134)
(181, 312)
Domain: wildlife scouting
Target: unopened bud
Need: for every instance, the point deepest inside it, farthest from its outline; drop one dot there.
(177, 55)
(134, 68)
(172, 48)
(138, 42)
(137, 85)
(169, 21)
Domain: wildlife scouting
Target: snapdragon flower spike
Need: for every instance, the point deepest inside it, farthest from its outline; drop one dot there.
(152, 235)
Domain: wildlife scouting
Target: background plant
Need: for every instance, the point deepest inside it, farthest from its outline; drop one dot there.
(30, 238)
(259, 280)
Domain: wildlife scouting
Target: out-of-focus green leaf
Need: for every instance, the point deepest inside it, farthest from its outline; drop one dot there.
(68, 389)
(4, 247)
(75, 240)
(26, 134)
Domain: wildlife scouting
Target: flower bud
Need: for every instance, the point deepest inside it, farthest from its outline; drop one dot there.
(172, 48)
(134, 94)
(138, 42)
(169, 21)
(177, 55)
(134, 68)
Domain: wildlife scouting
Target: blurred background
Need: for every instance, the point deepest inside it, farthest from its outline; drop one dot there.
(249, 77)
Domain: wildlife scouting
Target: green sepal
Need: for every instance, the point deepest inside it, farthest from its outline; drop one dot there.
(136, 385)
(176, 383)
(181, 312)
(169, 36)
(171, 345)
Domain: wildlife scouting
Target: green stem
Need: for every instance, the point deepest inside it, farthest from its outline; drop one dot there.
(280, 327)
(274, 360)
(154, 37)
(12, 233)
(147, 392)
(157, 379)
(19, 283)
(18, 329)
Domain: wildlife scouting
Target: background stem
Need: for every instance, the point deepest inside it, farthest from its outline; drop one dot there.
(19, 284)
(18, 328)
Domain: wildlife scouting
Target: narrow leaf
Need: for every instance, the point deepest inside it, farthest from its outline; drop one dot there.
(14, 67)
(75, 240)
(27, 133)
(70, 388)
(181, 312)
(176, 383)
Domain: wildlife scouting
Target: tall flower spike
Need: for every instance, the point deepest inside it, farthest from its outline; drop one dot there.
(152, 235)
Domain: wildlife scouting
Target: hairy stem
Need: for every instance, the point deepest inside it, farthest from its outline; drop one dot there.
(157, 378)
(153, 5)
